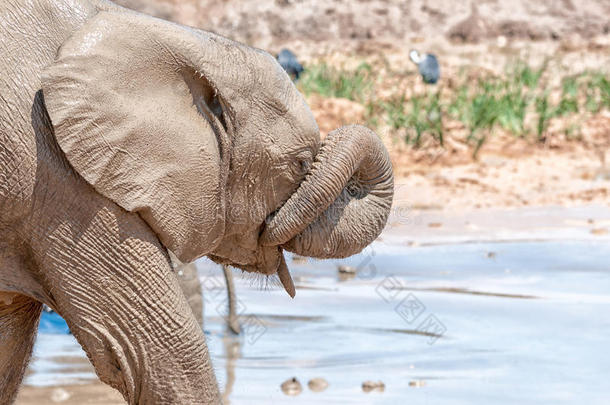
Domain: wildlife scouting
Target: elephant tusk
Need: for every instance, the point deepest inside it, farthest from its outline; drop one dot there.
(285, 277)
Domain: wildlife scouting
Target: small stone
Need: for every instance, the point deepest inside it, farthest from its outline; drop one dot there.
(317, 384)
(599, 231)
(292, 387)
(346, 269)
(491, 255)
(346, 273)
(417, 383)
(369, 386)
(434, 225)
(59, 395)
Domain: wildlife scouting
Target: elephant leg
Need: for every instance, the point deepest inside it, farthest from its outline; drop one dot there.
(19, 316)
(232, 300)
(191, 287)
(114, 286)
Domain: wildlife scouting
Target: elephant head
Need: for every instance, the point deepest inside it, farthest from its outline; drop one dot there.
(211, 144)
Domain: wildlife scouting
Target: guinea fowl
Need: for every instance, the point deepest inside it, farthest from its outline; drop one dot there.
(428, 66)
(288, 61)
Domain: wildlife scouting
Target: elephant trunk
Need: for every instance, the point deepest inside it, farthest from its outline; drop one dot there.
(343, 203)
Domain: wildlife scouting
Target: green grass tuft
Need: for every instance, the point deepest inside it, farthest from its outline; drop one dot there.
(419, 116)
(331, 82)
(521, 101)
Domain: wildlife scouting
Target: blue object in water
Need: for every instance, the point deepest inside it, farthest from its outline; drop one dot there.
(288, 61)
(52, 323)
(428, 66)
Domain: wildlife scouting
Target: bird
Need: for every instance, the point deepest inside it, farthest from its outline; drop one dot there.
(290, 64)
(428, 66)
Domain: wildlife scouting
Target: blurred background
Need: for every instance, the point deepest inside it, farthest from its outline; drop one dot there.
(523, 85)
(491, 282)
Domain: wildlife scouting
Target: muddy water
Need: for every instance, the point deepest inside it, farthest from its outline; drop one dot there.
(457, 322)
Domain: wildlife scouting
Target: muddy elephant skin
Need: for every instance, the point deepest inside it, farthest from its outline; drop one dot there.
(124, 137)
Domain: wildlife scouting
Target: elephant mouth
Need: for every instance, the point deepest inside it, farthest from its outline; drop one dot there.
(266, 260)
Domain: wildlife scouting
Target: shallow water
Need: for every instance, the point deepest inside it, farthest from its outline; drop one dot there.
(478, 322)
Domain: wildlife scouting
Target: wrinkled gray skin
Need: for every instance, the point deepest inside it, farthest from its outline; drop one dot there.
(122, 137)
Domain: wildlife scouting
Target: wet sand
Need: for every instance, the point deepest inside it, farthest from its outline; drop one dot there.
(485, 306)
(94, 393)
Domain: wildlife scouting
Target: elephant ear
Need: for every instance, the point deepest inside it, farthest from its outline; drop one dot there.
(135, 109)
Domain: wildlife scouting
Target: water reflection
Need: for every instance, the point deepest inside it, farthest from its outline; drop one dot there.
(232, 352)
(527, 326)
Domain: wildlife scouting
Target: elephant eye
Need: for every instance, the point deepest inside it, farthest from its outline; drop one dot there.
(303, 162)
(304, 166)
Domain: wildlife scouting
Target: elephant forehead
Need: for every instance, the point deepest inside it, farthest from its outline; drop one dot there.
(276, 95)
(287, 121)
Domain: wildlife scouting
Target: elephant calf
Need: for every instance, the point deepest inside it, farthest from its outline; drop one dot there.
(123, 137)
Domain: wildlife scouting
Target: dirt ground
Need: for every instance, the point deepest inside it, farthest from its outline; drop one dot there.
(323, 24)
(509, 172)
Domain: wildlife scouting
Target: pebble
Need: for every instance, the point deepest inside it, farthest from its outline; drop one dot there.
(346, 269)
(346, 273)
(417, 383)
(292, 387)
(599, 231)
(369, 386)
(317, 384)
